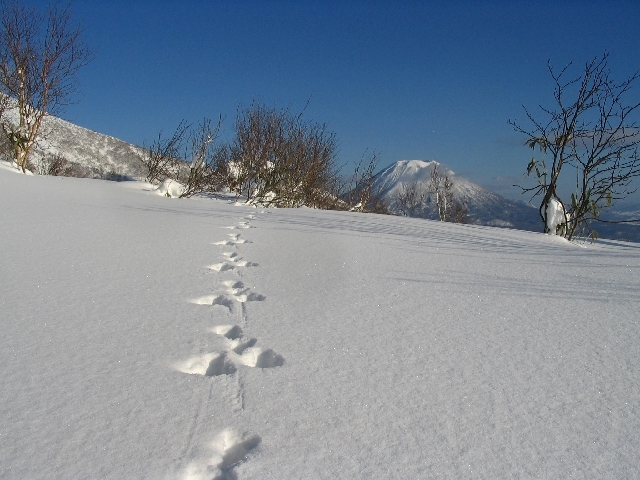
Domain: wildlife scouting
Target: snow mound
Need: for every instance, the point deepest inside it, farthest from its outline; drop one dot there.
(170, 188)
(556, 217)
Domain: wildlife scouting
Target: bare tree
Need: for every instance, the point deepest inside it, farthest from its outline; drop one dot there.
(442, 187)
(359, 193)
(410, 199)
(40, 55)
(6, 149)
(162, 158)
(206, 170)
(591, 132)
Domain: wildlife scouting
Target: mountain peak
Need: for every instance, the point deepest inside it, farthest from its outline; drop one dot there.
(484, 207)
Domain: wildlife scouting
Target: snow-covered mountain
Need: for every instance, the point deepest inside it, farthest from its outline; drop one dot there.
(484, 207)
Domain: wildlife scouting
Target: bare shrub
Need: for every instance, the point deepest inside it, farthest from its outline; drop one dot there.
(57, 165)
(359, 192)
(162, 158)
(115, 176)
(278, 159)
(275, 159)
(410, 199)
(459, 212)
(189, 157)
(207, 170)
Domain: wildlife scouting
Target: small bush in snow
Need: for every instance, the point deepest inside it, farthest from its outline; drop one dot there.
(359, 194)
(278, 159)
(189, 158)
(163, 157)
(410, 199)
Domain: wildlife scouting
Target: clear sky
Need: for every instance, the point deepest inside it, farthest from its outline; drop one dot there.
(410, 80)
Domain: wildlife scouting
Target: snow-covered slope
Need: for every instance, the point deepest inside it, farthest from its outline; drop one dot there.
(102, 156)
(153, 338)
(102, 153)
(484, 206)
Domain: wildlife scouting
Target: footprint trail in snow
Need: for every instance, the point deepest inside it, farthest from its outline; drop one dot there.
(229, 448)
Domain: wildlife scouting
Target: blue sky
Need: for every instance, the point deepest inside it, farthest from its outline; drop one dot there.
(409, 80)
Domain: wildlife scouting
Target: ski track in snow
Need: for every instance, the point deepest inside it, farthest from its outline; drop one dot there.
(229, 448)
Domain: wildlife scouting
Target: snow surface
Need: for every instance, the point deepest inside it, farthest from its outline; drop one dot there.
(170, 188)
(145, 337)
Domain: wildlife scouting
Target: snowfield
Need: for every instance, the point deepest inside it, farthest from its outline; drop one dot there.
(145, 337)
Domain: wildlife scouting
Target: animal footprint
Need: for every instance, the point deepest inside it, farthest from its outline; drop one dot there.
(259, 358)
(240, 226)
(233, 333)
(234, 448)
(240, 350)
(214, 300)
(241, 344)
(242, 293)
(250, 297)
(244, 263)
(221, 267)
(235, 290)
(209, 365)
(220, 365)
(228, 450)
(234, 240)
(230, 265)
(249, 355)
